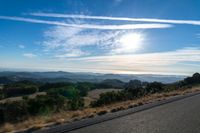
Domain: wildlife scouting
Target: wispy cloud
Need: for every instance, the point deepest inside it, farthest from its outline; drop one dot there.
(90, 26)
(70, 39)
(29, 55)
(74, 42)
(71, 53)
(21, 46)
(178, 61)
(170, 21)
(190, 54)
(70, 42)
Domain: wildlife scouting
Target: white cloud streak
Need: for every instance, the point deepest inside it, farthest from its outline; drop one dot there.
(154, 20)
(90, 26)
(178, 61)
(29, 55)
(189, 54)
(181, 61)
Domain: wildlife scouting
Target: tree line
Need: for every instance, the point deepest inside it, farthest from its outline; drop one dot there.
(136, 89)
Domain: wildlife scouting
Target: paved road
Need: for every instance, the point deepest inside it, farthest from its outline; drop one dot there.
(181, 116)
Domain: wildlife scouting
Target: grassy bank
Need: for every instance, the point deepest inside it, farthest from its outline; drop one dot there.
(69, 116)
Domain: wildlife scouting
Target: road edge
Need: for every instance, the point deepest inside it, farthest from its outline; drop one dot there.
(66, 127)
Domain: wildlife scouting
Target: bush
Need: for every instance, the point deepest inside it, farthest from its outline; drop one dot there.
(128, 94)
(68, 92)
(48, 86)
(76, 103)
(46, 104)
(154, 87)
(110, 97)
(2, 96)
(133, 84)
(41, 105)
(19, 89)
(195, 79)
(13, 111)
(25, 97)
(84, 87)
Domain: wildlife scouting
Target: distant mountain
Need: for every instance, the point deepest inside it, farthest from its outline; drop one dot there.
(113, 83)
(61, 76)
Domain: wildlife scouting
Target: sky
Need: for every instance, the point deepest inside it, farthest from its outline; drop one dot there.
(101, 36)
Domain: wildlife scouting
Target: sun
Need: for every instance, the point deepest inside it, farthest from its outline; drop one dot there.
(130, 42)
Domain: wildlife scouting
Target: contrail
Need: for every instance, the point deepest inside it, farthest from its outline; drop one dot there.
(170, 21)
(89, 26)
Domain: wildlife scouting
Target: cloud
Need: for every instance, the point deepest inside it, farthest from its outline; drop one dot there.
(154, 20)
(71, 39)
(72, 53)
(21, 46)
(149, 59)
(177, 61)
(180, 61)
(74, 42)
(68, 42)
(29, 55)
(90, 26)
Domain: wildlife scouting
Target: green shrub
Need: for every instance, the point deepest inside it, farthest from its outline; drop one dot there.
(46, 104)
(84, 87)
(76, 103)
(19, 89)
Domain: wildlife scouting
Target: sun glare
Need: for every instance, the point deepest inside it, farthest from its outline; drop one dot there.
(130, 42)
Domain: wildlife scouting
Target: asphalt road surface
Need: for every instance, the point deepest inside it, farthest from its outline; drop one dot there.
(182, 116)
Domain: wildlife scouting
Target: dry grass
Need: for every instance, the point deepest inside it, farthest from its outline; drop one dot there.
(20, 97)
(69, 116)
(87, 101)
(7, 127)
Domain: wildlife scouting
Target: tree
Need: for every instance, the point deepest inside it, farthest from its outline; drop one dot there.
(196, 77)
(133, 84)
(84, 87)
(154, 87)
(76, 103)
(48, 86)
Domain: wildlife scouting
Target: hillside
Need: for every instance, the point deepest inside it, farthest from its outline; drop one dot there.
(61, 76)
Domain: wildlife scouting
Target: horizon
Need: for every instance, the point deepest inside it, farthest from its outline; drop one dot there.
(21, 70)
(126, 37)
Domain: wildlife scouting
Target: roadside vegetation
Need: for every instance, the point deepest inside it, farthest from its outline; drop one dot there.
(137, 89)
(66, 100)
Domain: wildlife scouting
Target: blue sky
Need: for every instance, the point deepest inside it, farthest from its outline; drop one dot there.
(106, 36)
